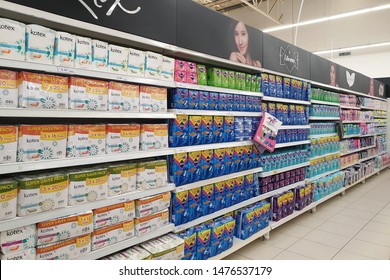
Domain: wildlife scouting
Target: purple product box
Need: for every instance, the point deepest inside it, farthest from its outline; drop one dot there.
(204, 100)
(214, 100)
(193, 99)
(249, 104)
(222, 101)
(242, 103)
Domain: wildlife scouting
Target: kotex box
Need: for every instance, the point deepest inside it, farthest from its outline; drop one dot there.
(195, 203)
(122, 138)
(201, 72)
(113, 214)
(272, 85)
(179, 98)
(253, 84)
(167, 68)
(180, 76)
(208, 200)
(194, 166)
(150, 205)
(99, 56)
(136, 63)
(180, 209)
(18, 239)
(223, 101)
(235, 167)
(83, 55)
(216, 240)
(28, 254)
(123, 97)
(133, 253)
(248, 82)
(214, 101)
(42, 91)
(189, 237)
(9, 92)
(153, 99)
(219, 196)
(218, 162)
(41, 142)
(228, 128)
(86, 140)
(207, 164)
(153, 65)
(237, 80)
(206, 129)
(65, 250)
(248, 186)
(64, 228)
(217, 129)
(146, 175)
(39, 44)
(12, 39)
(151, 223)
(86, 94)
(244, 223)
(147, 140)
(178, 131)
(88, 186)
(64, 49)
(161, 136)
(190, 67)
(230, 196)
(9, 143)
(8, 199)
(193, 99)
(195, 130)
(249, 105)
(122, 179)
(161, 173)
(203, 238)
(117, 59)
(214, 77)
(180, 65)
(112, 234)
(279, 86)
(204, 100)
(178, 172)
(243, 81)
(236, 102)
(167, 247)
(245, 157)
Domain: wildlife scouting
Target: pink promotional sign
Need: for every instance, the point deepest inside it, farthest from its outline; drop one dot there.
(267, 131)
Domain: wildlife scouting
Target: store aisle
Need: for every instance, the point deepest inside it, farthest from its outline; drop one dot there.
(351, 227)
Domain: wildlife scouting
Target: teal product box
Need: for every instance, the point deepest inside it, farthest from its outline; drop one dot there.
(195, 203)
(237, 80)
(218, 162)
(239, 189)
(207, 200)
(249, 104)
(264, 84)
(203, 237)
(178, 131)
(178, 169)
(194, 130)
(206, 164)
(225, 78)
(272, 85)
(242, 103)
(214, 77)
(228, 235)
(229, 193)
(228, 129)
(189, 237)
(279, 86)
(216, 241)
(222, 101)
(229, 152)
(236, 102)
(214, 101)
(217, 129)
(180, 209)
(232, 80)
(193, 99)
(286, 87)
(248, 82)
(207, 135)
(202, 74)
(229, 103)
(194, 170)
(204, 100)
(179, 98)
(219, 196)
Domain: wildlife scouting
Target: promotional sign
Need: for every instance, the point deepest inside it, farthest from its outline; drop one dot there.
(350, 79)
(267, 131)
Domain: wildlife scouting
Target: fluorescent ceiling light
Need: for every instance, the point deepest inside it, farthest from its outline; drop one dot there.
(323, 19)
(354, 48)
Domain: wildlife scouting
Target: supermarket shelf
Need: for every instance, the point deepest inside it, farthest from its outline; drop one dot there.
(358, 150)
(285, 100)
(217, 89)
(323, 135)
(372, 174)
(349, 165)
(367, 108)
(312, 118)
(322, 175)
(93, 255)
(380, 117)
(214, 113)
(61, 212)
(283, 189)
(351, 136)
(349, 107)
(290, 144)
(78, 161)
(381, 124)
(329, 154)
(238, 243)
(216, 180)
(359, 121)
(53, 69)
(382, 133)
(355, 183)
(212, 146)
(280, 170)
(368, 135)
(382, 153)
(325, 103)
(384, 167)
(39, 113)
(294, 127)
(368, 158)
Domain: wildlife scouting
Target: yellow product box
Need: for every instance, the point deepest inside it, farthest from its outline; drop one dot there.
(161, 136)
(167, 247)
(151, 223)
(18, 239)
(28, 254)
(42, 142)
(87, 94)
(147, 140)
(153, 99)
(149, 205)
(113, 214)
(112, 234)
(86, 140)
(122, 179)
(8, 199)
(42, 193)
(122, 138)
(161, 173)
(8, 143)
(123, 97)
(65, 250)
(64, 228)
(9, 92)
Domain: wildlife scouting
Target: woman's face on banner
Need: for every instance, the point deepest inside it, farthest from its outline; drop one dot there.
(332, 75)
(241, 38)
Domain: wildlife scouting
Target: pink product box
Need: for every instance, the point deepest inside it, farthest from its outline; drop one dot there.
(180, 65)
(180, 76)
(192, 78)
(190, 67)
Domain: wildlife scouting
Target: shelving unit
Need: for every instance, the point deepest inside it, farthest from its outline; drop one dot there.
(324, 103)
(281, 170)
(357, 150)
(284, 100)
(351, 136)
(349, 107)
(294, 127)
(324, 118)
(214, 113)
(212, 146)
(217, 89)
(325, 155)
(322, 175)
(359, 121)
(291, 144)
(323, 135)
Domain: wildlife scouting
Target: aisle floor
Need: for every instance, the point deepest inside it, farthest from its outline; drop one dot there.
(351, 227)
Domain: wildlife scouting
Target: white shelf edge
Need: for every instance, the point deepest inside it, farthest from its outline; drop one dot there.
(285, 100)
(368, 158)
(280, 170)
(322, 175)
(368, 135)
(381, 124)
(351, 136)
(382, 133)
(290, 144)
(79, 161)
(294, 127)
(238, 243)
(359, 121)
(212, 146)
(349, 165)
(217, 89)
(357, 150)
(329, 154)
(93, 255)
(214, 113)
(216, 180)
(322, 135)
(61, 212)
(313, 101)
(313, 118)
(349, 107)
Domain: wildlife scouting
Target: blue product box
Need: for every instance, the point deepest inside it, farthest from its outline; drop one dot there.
(236, 102)
(228, 160)
(256, 104)
(207, 200)
(256, 217)
(222, 101)
(189, 237)
(255, 158)
(239, 189)
(218, 162)
(193, 99)
(236, 160)
(178, 169)
(179, 98)
(249, 103)
(286, 87)
(256, 185)
(180, 210)
(245, 157)
(266, 215)
(206, 164)
(217, 129)
(248, 186)
(242, 103)
(229, 192)
(244, 223)
(228, 128)
(229, 102)
(195, 204)
(194, 170)
(217, 230)
(204, 100)
(230, 226)
(178, 131)
(195, 130)
(214, 101)
(203, 237)
(294, 88)
(206, 130)
(272, 85)
(219, 196)
(264, 84)
(279, 86)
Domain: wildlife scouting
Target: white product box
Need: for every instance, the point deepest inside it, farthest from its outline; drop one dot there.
(64, 228)
(168, 68)
(136, 63)
(122, 179)
(8, 89)
(161, 136)
(87, 186)
(64, 49)
(123, 97)
(41, 142)
(43, 91)
(42, 193)
(18, 239)
(151, 223)
(8, 198)
(113, 214)
(12, 39)
(117, 59)
(112, 234)
(147, 139)
(146, 175)
(161, 173)
(153, 99)
(83, 55)
(8, 143)
(39, 44)
(153, 65)
(65, 250)
(86, 94)
(99, 55)
(134, 253)
(28, 254)
(167, 247)
(86, 140)
(149, 205)
(122, 138)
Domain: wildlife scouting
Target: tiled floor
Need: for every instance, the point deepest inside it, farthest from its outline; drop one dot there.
(351, 227)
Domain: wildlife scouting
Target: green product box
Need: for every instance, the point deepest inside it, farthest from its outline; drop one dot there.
(214, 77)
(243, 81)
(248, 82)
(225, 78)
(258, 83)
(201, 71)
(231, 80)
(253, 84)
(237, 80)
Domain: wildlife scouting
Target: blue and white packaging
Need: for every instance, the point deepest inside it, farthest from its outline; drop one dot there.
(207, 200)
(219, 196)
(229, 102)
(206, 129)
(244, 223)
(249, 103)
(217, 230)
(222, 101)
(178, 169)
(229, 153)
(218, 162)
(286, 87)
(193, 99)
(264, 84)
(279, 86)
(180, 210)
(178, 131)
(207, 164)
(217, 129)
(189, 237)
(230, 226)
(204, 100)
(195, 130)
(272, 85)
(236, 160)
(214, 101)
(228, 129)
(203, 237)
(236, 102)
(229, 192)
(239, 189)
(248, 186)
(179, 98)
(194, 169)
(195, 203)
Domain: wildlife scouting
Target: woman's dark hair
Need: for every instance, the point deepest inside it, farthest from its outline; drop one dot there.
(254, 41)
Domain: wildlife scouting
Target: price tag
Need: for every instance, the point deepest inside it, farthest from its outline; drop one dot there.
(120, 78)
(179, 189)
(65, 70)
